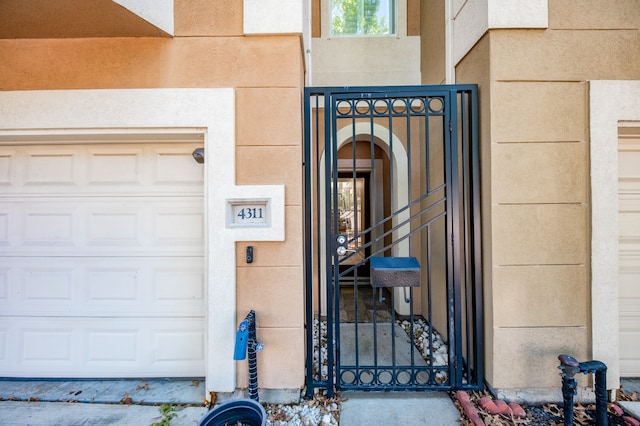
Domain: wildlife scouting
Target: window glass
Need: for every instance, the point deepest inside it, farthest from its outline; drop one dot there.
(362, 17)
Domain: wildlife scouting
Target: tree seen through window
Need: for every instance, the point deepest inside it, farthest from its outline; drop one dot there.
(362, 17)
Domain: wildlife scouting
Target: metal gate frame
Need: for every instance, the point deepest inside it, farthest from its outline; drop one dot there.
(466, 360)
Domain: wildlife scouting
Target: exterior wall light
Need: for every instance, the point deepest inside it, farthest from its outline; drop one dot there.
(198, 155)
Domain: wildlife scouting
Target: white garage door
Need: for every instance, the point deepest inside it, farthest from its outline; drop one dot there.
(101, 261)
(629, 228)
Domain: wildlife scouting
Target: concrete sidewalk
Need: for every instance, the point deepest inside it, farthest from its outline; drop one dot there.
(398, 408)
(127, 391)
(97, 402)
(360, 409)
(21, 413)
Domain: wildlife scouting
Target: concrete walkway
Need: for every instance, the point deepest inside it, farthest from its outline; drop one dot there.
(425, 408)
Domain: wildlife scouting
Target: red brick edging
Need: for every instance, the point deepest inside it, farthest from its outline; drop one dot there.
(491, 406)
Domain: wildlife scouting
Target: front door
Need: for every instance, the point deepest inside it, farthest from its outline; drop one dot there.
(353, 218)
(392, 179)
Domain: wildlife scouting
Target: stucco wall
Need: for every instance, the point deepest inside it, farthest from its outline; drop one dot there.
(535, 160)
(267, 73)
(433, 42)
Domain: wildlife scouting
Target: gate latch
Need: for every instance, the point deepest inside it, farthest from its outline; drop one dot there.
(341, 249)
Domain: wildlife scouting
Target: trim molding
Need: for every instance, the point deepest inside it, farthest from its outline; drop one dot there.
(610, 102)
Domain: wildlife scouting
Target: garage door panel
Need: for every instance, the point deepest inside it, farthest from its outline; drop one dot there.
(7, 166)
(4, 346)
(4, 285)
(49, 228)
(173, 166)
(629, 218)
(629, 338)
(126, 162)
(4, 228)
(94, 287)
(180, 227)
(110, 168)
(85, 347)
(139, 226)
(51, 166)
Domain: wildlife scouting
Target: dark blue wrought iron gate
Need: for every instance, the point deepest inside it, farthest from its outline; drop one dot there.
(392, 172)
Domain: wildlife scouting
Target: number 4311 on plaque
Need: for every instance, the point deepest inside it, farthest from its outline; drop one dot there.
(249, 214)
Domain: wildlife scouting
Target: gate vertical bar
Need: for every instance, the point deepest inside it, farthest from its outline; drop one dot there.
(477, 245)
(308, 238)
(330, 274)
(452, 237)
(456, 238)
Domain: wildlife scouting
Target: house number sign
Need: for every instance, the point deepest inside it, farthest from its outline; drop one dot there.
(248, 213)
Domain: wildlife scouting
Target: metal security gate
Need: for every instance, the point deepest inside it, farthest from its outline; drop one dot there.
(392, 237)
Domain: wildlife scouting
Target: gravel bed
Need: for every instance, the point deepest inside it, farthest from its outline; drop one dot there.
(319, 411)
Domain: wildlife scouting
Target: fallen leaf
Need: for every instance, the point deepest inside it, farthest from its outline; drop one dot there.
(125, 399)
(213, 397)
(582, 417)
(552, 409)
(195, 383)
(144, 386)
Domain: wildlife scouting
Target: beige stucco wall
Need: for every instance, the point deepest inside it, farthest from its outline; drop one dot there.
(433, 42)
(210, 51)
(536, 200)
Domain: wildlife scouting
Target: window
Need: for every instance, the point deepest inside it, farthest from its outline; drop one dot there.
(362, 17)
